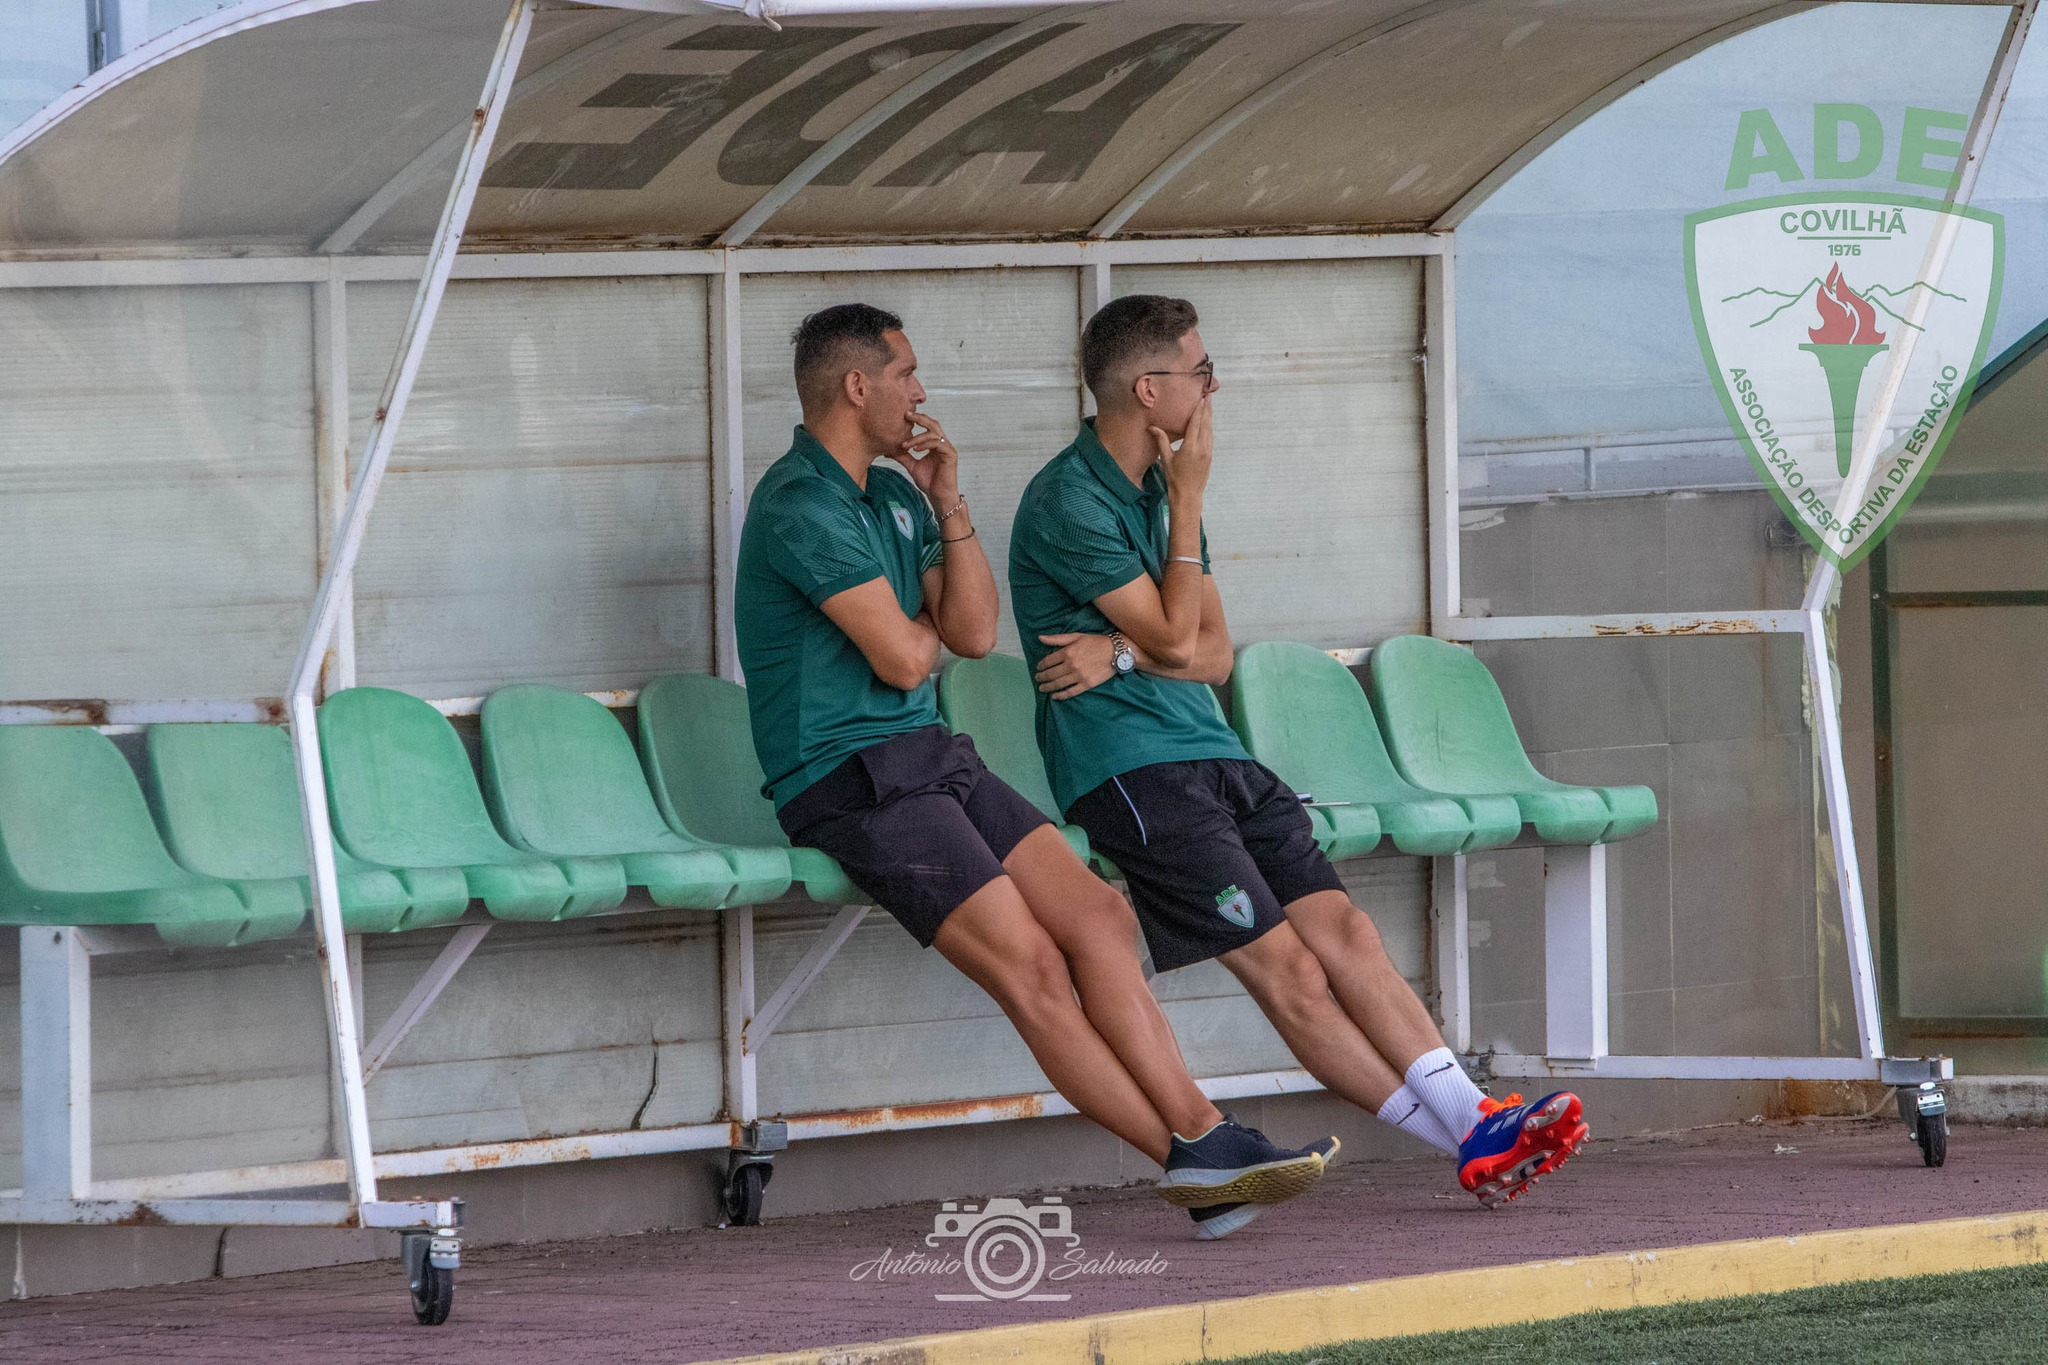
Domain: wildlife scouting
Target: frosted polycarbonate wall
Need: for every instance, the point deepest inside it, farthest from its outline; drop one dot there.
(1317, 526)
(546, 517)
(156, 490)
(998, 353)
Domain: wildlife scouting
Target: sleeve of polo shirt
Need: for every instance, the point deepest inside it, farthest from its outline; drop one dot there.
(1087, 553)
(820, 548)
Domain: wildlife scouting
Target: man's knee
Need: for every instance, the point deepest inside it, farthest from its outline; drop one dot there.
(1280, 971)
(1032, 980)
(1333, 924)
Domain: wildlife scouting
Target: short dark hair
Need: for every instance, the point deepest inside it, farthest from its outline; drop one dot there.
(832, 341)
(1128, 331)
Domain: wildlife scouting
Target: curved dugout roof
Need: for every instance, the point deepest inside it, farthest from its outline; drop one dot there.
(302, 125)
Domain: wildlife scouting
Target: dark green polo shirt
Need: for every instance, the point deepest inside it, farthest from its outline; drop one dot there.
(812, 533)
(1083, 529)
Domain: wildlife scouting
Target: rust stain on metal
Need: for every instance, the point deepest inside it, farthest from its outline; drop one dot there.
(272, 709)
(934, 1114)
(381, 414)
(69, 710)
(1718, 627)
(145, 1216)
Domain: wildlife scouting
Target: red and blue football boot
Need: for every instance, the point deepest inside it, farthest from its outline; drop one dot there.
(1516, 1144)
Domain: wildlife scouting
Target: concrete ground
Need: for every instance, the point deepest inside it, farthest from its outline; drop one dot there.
(707, 1294)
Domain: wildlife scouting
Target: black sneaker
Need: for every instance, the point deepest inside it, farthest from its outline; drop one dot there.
(1217, 1221)
(1234, 1164)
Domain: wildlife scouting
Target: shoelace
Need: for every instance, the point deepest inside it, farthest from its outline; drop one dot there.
(1490, 1106)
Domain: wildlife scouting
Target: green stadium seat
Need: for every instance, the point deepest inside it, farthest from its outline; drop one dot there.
(994, 701)
(1448, 729)
(402, 796)
(563, 779)
(77, 846)
(698, 747)
(227, 802)
(1303, 714)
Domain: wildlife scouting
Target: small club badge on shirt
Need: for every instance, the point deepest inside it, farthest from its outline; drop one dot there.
(903, 521)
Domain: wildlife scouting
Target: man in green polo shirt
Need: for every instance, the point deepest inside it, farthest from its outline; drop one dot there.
(851, 577)
(1122, 623)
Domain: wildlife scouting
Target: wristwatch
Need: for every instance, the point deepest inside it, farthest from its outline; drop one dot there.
(1120, 650)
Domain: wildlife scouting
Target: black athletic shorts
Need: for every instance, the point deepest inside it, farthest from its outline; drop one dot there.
(1212, 850)
(918, 822)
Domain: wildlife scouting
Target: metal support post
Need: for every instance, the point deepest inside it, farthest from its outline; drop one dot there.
(1451, 946)
(331, 597)
(422, 996)
(56, 1064)
(1440, 420)
(736, 980)
(728, 459)
(1575, 950)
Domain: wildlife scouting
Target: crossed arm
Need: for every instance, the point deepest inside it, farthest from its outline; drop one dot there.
(1176, 631)
(959, 612)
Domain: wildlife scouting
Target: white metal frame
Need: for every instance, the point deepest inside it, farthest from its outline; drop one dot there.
(58, 1186)
(326, 659)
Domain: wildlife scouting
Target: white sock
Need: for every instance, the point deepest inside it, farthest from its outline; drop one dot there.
(1438, 1080)
(1405, 1110)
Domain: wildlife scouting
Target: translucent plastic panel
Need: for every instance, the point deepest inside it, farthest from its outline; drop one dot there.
(1969, 743)
(1315, 511)
(998, 352)
(157, 490)
(267, 138)
(1982, 523)
(1715, 928)
(547, 513)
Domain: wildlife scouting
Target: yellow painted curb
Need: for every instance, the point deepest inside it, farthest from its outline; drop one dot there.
(1298, 1319)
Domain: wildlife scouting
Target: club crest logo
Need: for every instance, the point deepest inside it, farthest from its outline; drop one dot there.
(1236, 906)
(903, 522)
(1818, 312)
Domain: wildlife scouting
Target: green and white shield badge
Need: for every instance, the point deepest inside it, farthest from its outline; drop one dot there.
(1817, 313)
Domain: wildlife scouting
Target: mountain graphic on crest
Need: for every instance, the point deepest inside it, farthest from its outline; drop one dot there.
(1869, 292)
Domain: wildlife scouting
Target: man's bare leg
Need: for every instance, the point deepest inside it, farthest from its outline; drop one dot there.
(1290, 986)
(993, 939)
(1097, 933)
(1379, 1001)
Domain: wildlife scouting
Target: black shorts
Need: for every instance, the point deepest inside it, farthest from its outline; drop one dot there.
(1212, 851)
(918, 822)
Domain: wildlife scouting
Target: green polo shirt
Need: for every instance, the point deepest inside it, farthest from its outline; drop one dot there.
(812, 533)
(1084, 529)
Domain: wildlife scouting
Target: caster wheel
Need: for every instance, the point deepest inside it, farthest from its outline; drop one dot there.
(1933, 1139)
(745, 1188)
(433, 1294)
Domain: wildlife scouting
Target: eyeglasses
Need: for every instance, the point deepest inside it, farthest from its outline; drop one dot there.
(1206, 372)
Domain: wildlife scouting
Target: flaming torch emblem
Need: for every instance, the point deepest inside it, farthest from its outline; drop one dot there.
(1844, 343)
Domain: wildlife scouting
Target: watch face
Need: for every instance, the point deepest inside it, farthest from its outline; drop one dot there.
(1125, 661)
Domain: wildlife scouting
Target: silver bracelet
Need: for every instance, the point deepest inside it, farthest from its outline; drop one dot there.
(955, 509)
(1184, 559)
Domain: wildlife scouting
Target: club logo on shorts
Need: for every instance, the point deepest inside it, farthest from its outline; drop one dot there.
(1236, 906)
(903, 522)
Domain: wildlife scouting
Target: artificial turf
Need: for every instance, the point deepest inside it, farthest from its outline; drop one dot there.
(1985, 1317)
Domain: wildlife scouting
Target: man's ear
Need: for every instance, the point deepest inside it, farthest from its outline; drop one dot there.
(854, 385)
(1145, 391)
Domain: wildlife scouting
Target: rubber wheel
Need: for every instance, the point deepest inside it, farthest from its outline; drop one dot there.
(744, 1190)
(433, 1295)
(1934, 1139)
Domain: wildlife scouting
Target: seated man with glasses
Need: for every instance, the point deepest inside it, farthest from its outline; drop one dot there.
(1122, 623)
(851, 577)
